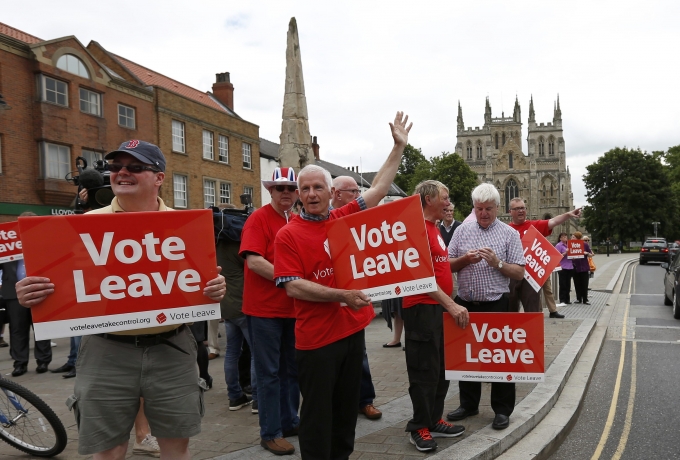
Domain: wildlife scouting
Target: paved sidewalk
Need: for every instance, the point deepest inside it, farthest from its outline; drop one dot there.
(235, 434)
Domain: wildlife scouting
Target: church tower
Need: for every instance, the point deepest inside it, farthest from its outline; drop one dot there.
(495, 153)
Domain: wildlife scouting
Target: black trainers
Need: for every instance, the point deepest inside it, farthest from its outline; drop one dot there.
(236, 404)
(253, 408)
(554, 314)
(446, 430)
(422, 439)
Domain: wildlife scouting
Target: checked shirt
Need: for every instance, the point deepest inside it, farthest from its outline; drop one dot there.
(480, 282)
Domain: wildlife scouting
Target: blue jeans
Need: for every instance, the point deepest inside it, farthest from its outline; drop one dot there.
(73, 354)
(237, 330)
(273, 347)
(367, 394)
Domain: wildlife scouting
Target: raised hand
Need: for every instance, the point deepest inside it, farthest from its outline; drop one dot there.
(400, 130)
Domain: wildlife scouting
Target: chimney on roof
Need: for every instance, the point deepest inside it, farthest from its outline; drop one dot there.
(223, 90)
(315, 148)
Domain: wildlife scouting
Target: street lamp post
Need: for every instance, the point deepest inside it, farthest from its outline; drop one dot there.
(655, 224)
(606, 180)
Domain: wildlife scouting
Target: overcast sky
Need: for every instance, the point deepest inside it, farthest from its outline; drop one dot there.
(615, 64)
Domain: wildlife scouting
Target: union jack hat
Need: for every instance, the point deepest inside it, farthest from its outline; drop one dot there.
(281, 176)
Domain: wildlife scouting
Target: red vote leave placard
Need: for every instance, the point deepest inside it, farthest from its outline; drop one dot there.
(383, 251)
(576, 249)
(495, 347)
(116, 272)
(541, 258)
(10, 242)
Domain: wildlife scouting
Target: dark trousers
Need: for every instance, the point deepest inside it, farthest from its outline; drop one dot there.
(19, 335)
(581, 285)
(522, 290)
(502, 394)
(565, 284)
(424, 334)
(367, 393)
(330, 379)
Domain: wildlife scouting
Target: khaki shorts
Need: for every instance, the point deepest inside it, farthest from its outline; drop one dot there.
(112, 376)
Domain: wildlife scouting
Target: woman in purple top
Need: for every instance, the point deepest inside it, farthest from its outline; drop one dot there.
(567, 271)
(582, 272)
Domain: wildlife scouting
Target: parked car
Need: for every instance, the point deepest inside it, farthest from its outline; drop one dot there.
(670, 286)
(673, 249)
(654, 250)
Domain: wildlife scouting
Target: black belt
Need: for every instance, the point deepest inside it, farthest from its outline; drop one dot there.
(148, 340)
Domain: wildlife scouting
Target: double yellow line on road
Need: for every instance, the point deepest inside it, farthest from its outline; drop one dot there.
(615, 396)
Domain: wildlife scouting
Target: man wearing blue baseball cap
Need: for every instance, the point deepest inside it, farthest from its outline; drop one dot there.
(158, 363)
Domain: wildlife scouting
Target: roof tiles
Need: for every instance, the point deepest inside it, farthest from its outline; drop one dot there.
(152, 78)
(18, 34)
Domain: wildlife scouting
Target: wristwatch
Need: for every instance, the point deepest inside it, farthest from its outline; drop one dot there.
(500, 264)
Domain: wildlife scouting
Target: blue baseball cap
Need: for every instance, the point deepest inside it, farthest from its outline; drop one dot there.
(143, 151)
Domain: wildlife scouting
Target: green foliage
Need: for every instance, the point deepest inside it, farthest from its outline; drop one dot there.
(409, 163)
(452, 171)
(627, 190)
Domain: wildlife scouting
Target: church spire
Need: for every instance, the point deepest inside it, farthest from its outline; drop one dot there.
(487, 112)
(517, 112)
(532, 114)
(558, 111)
(461, 125)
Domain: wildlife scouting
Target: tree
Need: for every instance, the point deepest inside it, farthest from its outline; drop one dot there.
(451, 170)
(627, 190)
(410, 160)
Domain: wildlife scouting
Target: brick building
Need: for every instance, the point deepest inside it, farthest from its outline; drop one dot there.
(67, 100)
(64, 104)
(212, 153)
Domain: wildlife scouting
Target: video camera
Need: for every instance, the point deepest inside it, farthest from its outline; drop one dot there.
(97, 181)
(228, 223)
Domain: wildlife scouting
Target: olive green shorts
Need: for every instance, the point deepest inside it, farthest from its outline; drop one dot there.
(112, 376)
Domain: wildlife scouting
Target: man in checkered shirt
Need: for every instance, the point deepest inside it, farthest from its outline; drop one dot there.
(486, 254)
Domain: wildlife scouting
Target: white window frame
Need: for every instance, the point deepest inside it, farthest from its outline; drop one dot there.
(178, 144)
(67, 61)
(208, 145)
(89, 155)
(56, 160)
(130, 122)
(225, 198)
(44, 91)
(223, 148)
(209, 188)
(248, 190)
(247, 155)
(92, 103)
(180, 189)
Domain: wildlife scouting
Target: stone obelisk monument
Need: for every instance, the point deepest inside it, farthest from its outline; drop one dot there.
(295, 149)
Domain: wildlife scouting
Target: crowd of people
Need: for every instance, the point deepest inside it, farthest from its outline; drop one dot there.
(306, 337)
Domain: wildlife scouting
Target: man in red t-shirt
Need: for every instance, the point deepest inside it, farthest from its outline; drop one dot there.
(345, 189)
(521, 289)
(424, 331)
(329, 336)
(271, 318)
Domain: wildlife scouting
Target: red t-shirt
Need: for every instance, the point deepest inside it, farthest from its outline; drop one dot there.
(261, 297)
(541, 226)
(442, 269)
(302, 251)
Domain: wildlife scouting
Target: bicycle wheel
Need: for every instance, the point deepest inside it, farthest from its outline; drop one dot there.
(28, 423)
